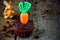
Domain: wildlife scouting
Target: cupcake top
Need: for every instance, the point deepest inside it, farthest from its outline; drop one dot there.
(17, 24)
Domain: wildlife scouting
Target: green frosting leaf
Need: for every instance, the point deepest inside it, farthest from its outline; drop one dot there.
(24, 7)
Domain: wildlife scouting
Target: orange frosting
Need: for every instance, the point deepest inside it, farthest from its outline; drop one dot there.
(24, 18)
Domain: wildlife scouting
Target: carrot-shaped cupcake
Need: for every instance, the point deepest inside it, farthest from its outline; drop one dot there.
(24, 8)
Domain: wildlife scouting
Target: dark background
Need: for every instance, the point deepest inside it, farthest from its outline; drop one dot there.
(44, 13)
